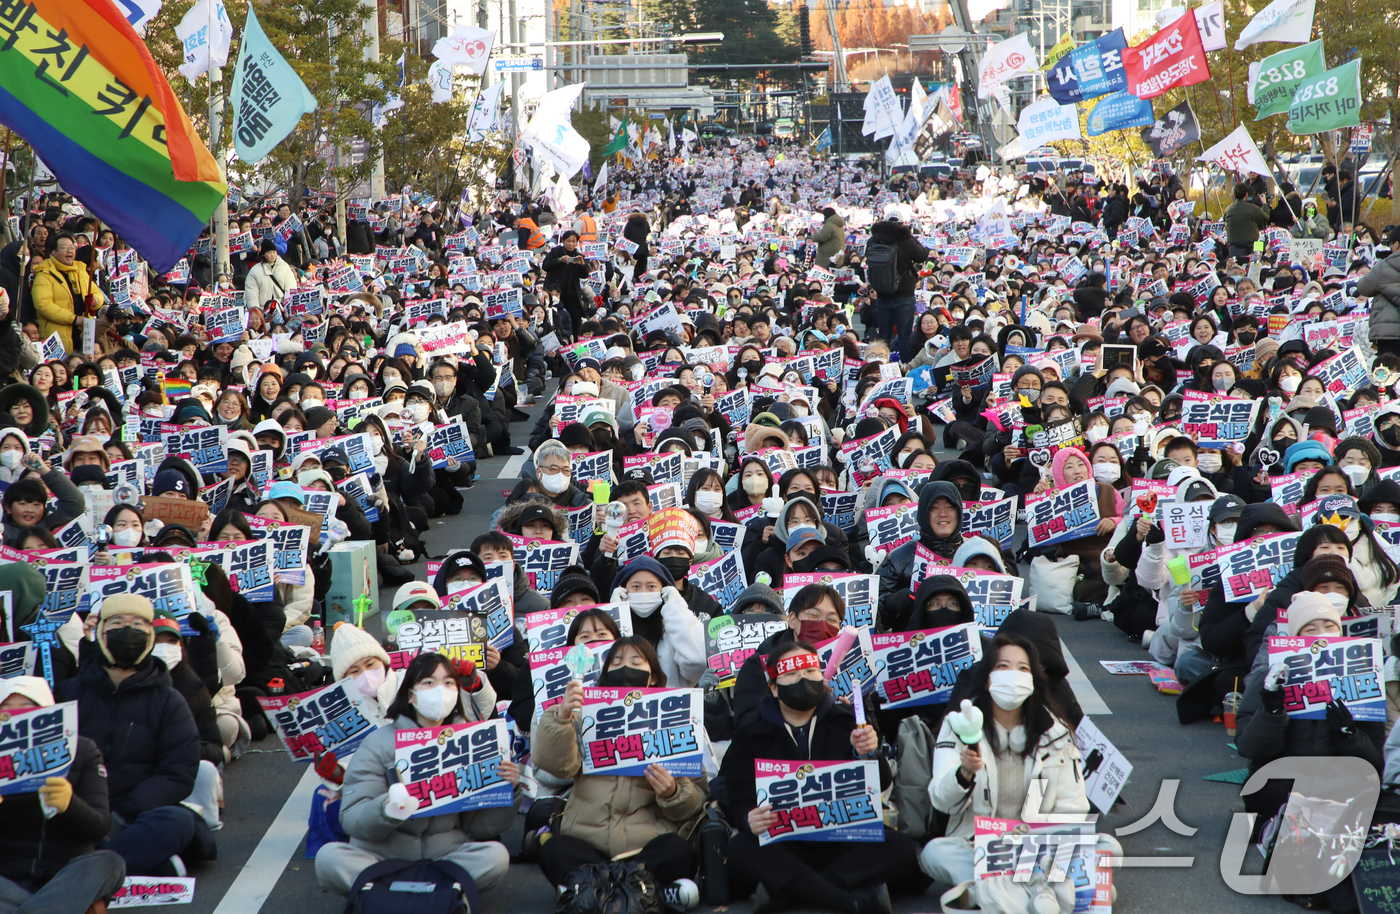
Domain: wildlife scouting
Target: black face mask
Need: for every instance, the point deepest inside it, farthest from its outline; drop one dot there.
(802, 695)
(127, 645)
(337, 473)
(627, 677)
(1283, 444)
(970, 491)
(678, 565)
(1245, 338)
(753, 366)
(1391, 435)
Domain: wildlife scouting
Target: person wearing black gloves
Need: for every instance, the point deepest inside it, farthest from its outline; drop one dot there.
(48, 863)
(801, 720)
(1266, 732)
(565, 269)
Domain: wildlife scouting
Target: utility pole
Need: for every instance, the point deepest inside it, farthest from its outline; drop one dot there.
(517, 40)
(216, 131)
(376, 180)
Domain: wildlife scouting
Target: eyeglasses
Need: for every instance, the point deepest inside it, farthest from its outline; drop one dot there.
(814, 614)
(813, 673)
(553, 470)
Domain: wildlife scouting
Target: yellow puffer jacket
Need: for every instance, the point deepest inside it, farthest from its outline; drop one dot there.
(614, 814)
(53, 297)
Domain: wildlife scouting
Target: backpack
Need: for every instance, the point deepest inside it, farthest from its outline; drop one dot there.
(882, 267)
(615, 887)
(910, 796)
(413, 887)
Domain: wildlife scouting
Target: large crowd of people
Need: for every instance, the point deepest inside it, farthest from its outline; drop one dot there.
(747, 364)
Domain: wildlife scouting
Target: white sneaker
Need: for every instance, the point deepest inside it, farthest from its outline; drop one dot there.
(1106, 616)
(681, 895)
(1147, 638)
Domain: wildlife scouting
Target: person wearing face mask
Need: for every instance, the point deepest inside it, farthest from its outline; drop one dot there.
(798, 719)
(1359, 458)
(940, 530)
(376, 806)
(14, 447)
(640, 816)
(553, 469)
(676, 554)
(1265, 731)
(661, 615)
(148, 739)
(1024, 766)
(815, 614)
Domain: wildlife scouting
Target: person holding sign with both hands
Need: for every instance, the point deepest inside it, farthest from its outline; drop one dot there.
(802, 720)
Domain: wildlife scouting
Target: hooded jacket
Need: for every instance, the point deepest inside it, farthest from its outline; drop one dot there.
(12, 392)
(924, 618)
(144, 730)
(830, 239)
(71, 504)
(895, 569)
(771, 558)
(1382, 285)
(875, 495)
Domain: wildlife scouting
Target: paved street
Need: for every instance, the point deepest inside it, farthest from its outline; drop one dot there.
(261, 848)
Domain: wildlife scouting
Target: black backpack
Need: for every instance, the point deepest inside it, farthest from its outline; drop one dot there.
(882, 267)
(413, 887)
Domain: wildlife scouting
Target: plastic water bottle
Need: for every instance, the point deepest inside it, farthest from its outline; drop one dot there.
(318, 637)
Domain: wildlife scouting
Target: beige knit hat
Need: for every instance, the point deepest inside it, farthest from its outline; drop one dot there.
(351, 644)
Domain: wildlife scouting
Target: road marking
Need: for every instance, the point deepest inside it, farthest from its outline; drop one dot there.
(259, 875)
(1090, 701)
(512, 466)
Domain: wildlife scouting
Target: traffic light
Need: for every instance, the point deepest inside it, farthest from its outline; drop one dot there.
(805, 29)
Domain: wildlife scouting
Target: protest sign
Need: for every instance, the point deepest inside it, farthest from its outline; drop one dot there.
(995, 520)
(1106, 770)
(1185, 524)
(205, 447)
(732, 639)
(455, 768)
(36, 744)
(168, 585)
(625, 730)
(1256, 565)
(1063, 514)
(1217, 422)
(1323, 670)
(336, 719)
(549, 628)
(893, 526)
(920, 667)
(450, 442)
(722, 578)
(543, 560)
(866, 457)
(145, 891)
(17, 658)
(820, 800)
(493, 603)
(854, 671)
(859, 591)
(1064, 852)
(451, 634)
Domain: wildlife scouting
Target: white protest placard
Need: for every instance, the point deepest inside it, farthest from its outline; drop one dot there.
(455, 768)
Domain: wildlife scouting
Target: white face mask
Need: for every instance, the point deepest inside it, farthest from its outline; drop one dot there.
(1225, 532)
(1096, 434)
(1289, 384)
(1386, 518)
(306, 477)
(1107, 473)
(378, 444)
(435, 702)
(643, 604)
(1357, 474)
(369, 682)
(799, 411)
(755, 485)
(1208, 463)
(390, 377)
(709, 501)
(1010, 688)
(701, 544)
(309, 404)
(1338, 600)
(169, 654)
(418, 412)
(358, 394)
(10, 459)
(127, 536)
(444, 388)
(554, 483)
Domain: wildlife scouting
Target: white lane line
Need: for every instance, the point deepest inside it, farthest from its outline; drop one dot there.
(1090, 701)
(512, 466)
(259, 875)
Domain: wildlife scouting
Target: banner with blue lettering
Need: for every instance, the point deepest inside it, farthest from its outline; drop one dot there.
(1090, 70)
(820, 800)
(627, 730)
(1324, 670)
(334, 719)
(920, 667)
(36, 744)
(455, 768)
(1120, 111)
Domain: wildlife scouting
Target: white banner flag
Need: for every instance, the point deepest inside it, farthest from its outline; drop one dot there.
(203, 35)
(1289, 21)
(485, 112)
(1237, 152)
(1045, 121)
(1004, 62)
(440, 81)
(467, 46)
(551, 135)
(602, 180)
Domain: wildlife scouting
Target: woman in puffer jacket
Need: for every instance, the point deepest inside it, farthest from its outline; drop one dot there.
(1382, 285)
(376, 816)
(611, 815)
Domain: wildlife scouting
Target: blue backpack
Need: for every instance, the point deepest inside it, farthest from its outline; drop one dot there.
(413, 887)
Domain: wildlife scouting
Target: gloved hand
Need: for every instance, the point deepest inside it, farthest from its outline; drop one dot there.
(1272, 695)
(467, 670)
(201, 649)
(773, 504)
(327, 767)
(671, 599)
(875, 555)
(57, 792)
(399, 804)
(709, 680)
(1340, 719)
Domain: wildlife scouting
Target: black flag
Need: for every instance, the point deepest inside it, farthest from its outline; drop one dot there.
(1173, 131)
(939, 123)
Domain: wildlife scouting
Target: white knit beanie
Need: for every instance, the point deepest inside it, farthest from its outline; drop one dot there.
(350, 645)
(32, 687)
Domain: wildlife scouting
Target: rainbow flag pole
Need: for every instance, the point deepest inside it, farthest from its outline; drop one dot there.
(102, 116)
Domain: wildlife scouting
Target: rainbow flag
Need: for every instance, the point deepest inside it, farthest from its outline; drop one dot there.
(98, 111)
(177, 388)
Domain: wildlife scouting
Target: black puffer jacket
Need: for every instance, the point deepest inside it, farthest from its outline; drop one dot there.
(765, 735)
(144, 730)
(895, 569)
(32, 848)
(196, 694)
(911, 253)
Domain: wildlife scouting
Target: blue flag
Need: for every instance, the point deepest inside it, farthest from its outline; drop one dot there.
(268, 96)
(824, 141)
(1118, 112)
(1090, 70)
